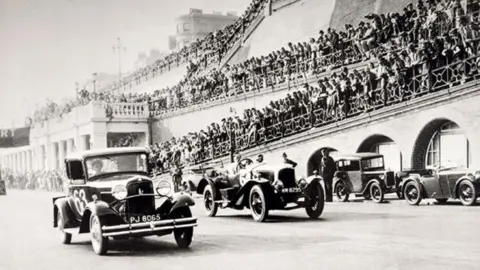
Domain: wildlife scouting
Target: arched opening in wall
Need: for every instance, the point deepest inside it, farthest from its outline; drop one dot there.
(441, 143)
(387, 147)
(315, 160)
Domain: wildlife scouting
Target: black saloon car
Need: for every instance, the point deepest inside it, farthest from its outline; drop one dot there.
(110, 195)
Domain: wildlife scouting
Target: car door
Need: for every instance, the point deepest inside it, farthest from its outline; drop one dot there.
(431, 184)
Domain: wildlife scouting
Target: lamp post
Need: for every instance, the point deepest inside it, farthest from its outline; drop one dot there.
(94, 80)
(119, 49)
(77, 87)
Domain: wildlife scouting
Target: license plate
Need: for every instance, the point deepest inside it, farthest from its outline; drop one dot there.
(291, 190)
(145, 218)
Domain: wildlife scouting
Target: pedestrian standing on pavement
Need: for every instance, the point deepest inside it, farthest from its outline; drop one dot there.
(328, 169)
(288, 161)
(177, 177)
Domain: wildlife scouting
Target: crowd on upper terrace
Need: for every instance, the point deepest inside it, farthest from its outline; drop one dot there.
(420, 49)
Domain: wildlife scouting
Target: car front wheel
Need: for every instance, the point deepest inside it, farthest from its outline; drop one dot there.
(99, 242)
(183, 236)
(341, 192)
(65, 237)
(316, 201)
(467, 193)
(376, 192)
(258, 204)
(209, 201)
(412, 193)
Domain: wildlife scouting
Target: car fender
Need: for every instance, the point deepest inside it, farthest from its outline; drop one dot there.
(314, 178)
(179, 201)
(99, 208)
(464, 178)
(203, 183)
(419, 183)
(244, 192)
(337, 180)
(61, 204)
(369, 183)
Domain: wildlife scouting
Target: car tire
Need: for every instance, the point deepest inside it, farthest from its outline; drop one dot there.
(99, 242)
(183, 236)
(467, 193)
(341, 191)
(412, 193)
(258, 204)
(376, 192)
(65, 237)
(209, 201)
(316, 203)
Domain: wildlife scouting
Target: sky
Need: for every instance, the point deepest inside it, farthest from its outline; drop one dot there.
(48, 45)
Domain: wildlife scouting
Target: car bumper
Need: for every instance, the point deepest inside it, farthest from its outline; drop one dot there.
(149, 227)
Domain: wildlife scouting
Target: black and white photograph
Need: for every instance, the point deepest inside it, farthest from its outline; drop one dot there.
(239, 134)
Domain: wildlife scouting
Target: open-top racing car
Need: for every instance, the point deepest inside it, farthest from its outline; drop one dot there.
(110, 195)
(192, 175)
(261, 188)
(441, 184)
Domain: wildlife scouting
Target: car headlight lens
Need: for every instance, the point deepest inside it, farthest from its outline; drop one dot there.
(477, 175)
(119, 192)
(278, 185)
(163, 188)
(302, 183)
(382, 177)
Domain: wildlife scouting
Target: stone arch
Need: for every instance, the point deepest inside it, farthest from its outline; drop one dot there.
(385, 145)
(315, 159)
(425, 137)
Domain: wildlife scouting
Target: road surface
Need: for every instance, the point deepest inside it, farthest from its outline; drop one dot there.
(353, 235)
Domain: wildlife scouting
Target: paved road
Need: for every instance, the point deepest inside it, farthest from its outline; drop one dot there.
(355, 235)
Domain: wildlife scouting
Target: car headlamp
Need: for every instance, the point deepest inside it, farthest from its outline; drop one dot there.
(382, 177)
(302, 183)
(119, 192)
(163, 188)
(477, 175)
(278, 185)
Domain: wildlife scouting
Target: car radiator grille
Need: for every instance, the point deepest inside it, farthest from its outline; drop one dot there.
(390, 179)
(142, 205)
(287, 176)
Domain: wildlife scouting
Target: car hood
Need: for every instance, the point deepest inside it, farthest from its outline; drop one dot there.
(108, 182)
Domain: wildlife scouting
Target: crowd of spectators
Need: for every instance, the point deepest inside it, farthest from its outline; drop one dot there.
(48, 180)
(419, 49)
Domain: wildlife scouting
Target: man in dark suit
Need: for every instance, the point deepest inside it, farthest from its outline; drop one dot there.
(328, 169)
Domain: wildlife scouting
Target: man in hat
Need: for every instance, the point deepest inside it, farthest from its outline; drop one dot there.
(288, 161)
(328, 170)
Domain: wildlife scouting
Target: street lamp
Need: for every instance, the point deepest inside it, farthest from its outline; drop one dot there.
(77, 87)
(94, 80)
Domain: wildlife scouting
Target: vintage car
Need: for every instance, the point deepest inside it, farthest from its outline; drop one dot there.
(110, 195)
(441, 184)
(363, 174)
(261, 188)
(192, 175)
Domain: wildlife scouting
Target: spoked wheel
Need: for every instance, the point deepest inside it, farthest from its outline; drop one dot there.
(99, 242)
(316, 201)
(412, 193)
(65, 237)
(183, 236)
(258, 204)
(209, 201)
(341, 192)
(467, 193)
(376, 192)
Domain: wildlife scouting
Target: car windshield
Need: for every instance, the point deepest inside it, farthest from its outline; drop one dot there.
(348, 165)
(372, 163)
(97, 166)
